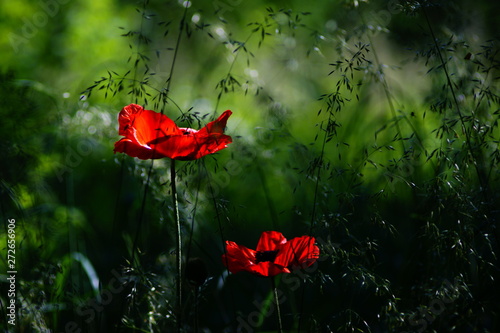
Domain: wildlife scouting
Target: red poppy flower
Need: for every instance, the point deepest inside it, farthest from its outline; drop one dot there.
(273, 255)
(148, 134)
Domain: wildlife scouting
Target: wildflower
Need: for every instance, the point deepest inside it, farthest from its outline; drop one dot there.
(151, 135)
(273, 255)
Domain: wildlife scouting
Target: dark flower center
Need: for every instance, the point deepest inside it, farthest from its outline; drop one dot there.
(262, 256)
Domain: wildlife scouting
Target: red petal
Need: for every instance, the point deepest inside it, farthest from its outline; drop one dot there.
(267, 268)
(191, 145)
(270, 241)
(237, 257)
(149, 134)
(217, 126)
(148, 124)
(298, 252)
(134, 149)
(141, 127)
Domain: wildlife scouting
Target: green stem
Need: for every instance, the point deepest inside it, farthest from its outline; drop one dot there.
(196, 315)
(277, 302)
(178, 244)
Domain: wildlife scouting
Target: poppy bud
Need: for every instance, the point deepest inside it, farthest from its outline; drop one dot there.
(196, 272)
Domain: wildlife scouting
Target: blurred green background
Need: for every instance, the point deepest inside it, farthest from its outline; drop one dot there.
(370, 125)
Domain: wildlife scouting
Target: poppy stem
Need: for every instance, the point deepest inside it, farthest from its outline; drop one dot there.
(178, 244)
(277, 302)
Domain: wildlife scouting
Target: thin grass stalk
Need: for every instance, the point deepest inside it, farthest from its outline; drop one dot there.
(272, 211)
(174, 188)
(385, 85)
(138, 52)
(313, 217)
(135, 259)
(319, 166)
(471, 151)
(176, 51)
(135, 255)
(276, 301)
(135, 262)
(196, 310)
(119, 191)
(228, 74)
(219, 224)
(193, 216)
(178, 245)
